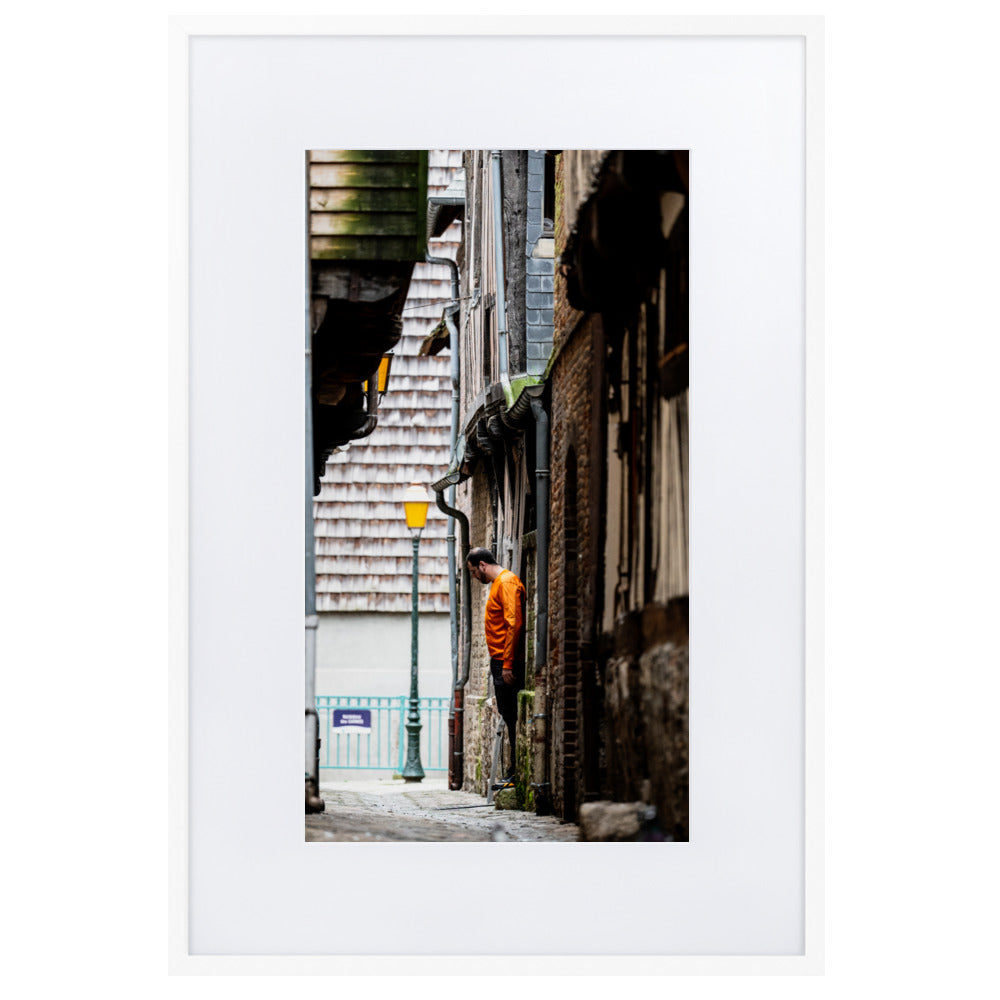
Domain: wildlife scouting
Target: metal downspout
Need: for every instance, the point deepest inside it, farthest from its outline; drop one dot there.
(313, 802)
(450, 312)
(371, 398)
(456, 772)
(452, 631)
(543, 797)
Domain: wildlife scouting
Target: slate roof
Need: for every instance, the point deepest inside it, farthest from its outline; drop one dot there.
(364, 551)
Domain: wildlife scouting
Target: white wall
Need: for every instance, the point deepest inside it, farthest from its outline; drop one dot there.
(369, 654)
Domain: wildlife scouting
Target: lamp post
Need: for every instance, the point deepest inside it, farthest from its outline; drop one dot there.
(415, 503)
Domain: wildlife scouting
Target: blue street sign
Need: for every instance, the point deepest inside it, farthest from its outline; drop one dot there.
(352, 720)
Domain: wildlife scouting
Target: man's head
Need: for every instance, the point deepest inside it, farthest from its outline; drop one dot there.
(480, 562)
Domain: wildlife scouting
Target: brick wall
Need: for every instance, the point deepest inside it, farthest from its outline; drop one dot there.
(572, 569)
(573, 534)
(618, 703)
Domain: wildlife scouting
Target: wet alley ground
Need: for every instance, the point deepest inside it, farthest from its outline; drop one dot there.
(395, 810)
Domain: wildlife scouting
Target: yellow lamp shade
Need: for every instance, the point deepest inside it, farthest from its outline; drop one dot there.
(415, 503)
(383, 372)
(384, 366)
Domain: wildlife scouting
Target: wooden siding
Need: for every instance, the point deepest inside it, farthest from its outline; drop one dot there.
(480, 361)
(367, 204)
(647, 538)
(479, 329)
(364, 552)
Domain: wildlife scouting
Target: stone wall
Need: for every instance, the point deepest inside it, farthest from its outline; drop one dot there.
(526, 757)
(647, 713)
(481, 717)
(474, 499)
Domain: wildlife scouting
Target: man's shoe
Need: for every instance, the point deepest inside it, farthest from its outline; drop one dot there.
(506, 783)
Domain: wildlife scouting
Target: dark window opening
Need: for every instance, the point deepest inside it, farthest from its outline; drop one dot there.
(488, 340)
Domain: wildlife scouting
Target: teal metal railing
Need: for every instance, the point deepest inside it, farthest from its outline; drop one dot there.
(383, 746)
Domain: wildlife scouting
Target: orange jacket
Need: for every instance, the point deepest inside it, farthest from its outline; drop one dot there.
(505, 618)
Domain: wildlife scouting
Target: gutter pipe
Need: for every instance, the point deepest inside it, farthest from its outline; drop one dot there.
(542, 478)
(313, 801)
(456, 770)
(454, 727)
(372, 408)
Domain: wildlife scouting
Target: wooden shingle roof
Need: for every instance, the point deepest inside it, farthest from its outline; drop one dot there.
(364, 551)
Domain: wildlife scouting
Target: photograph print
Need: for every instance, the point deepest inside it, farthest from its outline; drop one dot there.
(496, 600)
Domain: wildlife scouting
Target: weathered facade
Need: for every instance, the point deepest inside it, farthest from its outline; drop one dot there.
(366, 231)
(367, 218)
(505, 338)
(573, 468)
(363, 547)
(619, 389)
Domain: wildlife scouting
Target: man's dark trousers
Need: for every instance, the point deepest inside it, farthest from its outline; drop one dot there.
(507, 703)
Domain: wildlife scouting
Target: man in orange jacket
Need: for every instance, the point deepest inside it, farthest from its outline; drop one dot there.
(504, 639)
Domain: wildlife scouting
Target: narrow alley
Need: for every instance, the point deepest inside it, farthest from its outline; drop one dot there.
(394, 810)
(497, 345)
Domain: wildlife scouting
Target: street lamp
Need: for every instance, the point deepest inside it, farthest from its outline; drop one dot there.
(382, 377)
(415, 503)
(384, 366)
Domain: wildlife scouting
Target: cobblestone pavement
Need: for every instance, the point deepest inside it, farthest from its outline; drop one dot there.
(394, 810)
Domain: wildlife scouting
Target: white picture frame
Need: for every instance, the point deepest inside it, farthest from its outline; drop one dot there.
(226, 932)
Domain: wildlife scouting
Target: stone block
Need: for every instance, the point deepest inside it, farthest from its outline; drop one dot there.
(536, 367)
(539, 300)
(536, 265)
(614, 821)
(545, 248)
(506, 798)
(663, 709)
(538, 333)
